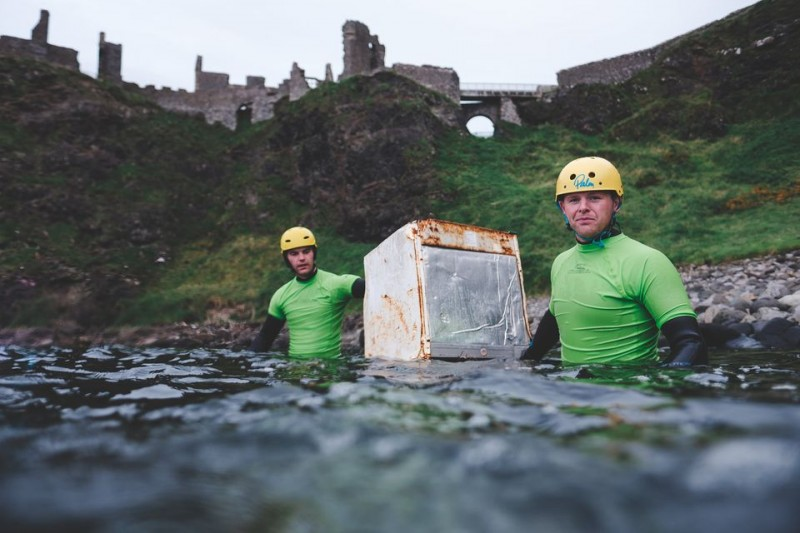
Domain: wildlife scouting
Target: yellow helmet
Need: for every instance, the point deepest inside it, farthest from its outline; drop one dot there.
(297, 237)
(588, 174)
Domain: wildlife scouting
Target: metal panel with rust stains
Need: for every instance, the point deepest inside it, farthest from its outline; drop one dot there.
(483, 296)
(444, 234)
(392, 315)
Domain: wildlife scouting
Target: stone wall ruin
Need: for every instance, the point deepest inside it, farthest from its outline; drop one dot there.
(439, 79)
(620, 68)
(219, 101)
(608, 71)
(38, 48)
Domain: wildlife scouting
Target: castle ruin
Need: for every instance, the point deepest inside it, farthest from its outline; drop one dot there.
(38, 48)
(234, 106)
(109, 64)
(214, 97)
(363, 53)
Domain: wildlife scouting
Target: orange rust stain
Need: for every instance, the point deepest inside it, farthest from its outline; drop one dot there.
(398, 312)
(445, 234)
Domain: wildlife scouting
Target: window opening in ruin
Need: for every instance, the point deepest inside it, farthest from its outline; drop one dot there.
(244, 116)
(481, 126)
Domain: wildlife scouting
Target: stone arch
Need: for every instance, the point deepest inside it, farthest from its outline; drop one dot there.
(489, 108)
(481, 126)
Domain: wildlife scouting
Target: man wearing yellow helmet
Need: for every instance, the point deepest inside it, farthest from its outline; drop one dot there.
(610, 294)
(311, 304)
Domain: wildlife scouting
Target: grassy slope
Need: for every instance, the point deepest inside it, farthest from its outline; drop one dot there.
(700, 200)
(697, 200)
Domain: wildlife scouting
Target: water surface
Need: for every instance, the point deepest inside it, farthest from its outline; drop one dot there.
(122, 439)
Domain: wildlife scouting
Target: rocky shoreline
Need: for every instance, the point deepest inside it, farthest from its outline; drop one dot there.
(752, 303)
(749, 304)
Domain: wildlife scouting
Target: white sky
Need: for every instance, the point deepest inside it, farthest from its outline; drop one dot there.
(485, 41)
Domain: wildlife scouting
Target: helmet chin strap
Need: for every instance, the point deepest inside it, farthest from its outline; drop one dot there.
(597, 240)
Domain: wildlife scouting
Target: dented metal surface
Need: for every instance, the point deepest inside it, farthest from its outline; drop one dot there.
(444, 234)
(445, 290)
(392, 301)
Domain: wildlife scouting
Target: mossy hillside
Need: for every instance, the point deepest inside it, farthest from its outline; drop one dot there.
(697, 201)
(97, 185)
(114, 211)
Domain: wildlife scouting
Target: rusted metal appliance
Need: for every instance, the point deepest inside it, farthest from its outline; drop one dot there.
(438, 289)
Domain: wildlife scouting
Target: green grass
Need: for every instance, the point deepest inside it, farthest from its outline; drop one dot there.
(246, 270)
(677, 199)
(697, 200)
(678, 194)
(77, 188)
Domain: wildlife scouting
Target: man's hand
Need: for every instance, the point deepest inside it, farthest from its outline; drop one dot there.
(686, 344)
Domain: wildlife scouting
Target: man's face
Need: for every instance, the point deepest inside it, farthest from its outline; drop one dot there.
(301, 260)
(589, 213)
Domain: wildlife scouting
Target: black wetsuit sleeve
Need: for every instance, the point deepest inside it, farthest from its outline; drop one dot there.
(544, 339)
(686, 344)
(269, 332)
(358, 288)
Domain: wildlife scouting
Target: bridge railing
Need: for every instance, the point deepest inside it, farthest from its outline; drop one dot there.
(505, 89)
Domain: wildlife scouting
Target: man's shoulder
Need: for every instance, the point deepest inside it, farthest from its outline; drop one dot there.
(636, 256)
(641, 249)
(330, 276)
(284, 288)
(566, 254)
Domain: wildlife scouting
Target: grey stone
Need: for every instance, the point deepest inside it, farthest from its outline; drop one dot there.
(792, 335)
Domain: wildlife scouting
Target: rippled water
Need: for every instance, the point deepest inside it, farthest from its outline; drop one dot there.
(120, 439)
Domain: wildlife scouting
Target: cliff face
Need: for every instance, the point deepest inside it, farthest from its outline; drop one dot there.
(359, 155)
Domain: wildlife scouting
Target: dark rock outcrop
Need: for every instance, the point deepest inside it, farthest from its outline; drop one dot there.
(360, 155)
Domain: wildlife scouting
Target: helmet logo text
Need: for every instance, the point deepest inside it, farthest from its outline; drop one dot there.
(583, 181)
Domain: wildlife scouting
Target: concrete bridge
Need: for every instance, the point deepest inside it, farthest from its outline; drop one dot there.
(495, 101)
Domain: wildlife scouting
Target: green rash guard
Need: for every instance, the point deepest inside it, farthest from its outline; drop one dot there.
(314, 310)
(610, 302)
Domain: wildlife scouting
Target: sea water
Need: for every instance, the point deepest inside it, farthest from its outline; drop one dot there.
(124, 439)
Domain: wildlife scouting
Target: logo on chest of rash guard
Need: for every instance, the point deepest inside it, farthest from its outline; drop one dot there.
(579, 269)
(582, 181)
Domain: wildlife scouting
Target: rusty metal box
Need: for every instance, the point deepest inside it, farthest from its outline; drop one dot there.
(438, 289)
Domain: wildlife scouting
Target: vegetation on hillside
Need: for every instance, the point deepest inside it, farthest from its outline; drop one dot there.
(700, 201)
(113, 211)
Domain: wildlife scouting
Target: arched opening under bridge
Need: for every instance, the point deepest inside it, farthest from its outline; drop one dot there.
(481, 126)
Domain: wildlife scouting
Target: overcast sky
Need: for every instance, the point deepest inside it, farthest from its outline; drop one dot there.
(484, 41)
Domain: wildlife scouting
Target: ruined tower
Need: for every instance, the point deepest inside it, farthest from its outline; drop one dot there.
(296, 86)
(37, 46)
(109, 64)
(39, 32)
(363, 53)
(208, 81)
